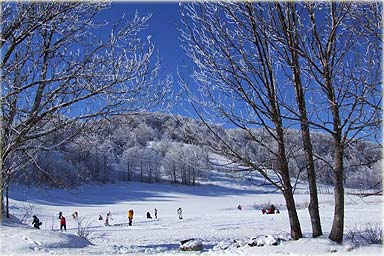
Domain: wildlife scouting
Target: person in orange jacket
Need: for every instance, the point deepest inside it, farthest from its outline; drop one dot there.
(63, 223)
(130, 217)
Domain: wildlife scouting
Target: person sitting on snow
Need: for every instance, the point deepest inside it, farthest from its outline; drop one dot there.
(149, 215)
(36, 222)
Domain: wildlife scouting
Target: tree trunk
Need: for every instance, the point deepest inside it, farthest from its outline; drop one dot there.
(292, 213)
(2, 202)
(7, 200)
(338, 173)
(287, 187)
(313, 207)
(289, 29)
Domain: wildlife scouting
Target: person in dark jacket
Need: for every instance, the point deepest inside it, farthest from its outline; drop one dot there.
(149, 215)
(63, 223)
(155, 213)
(36, 222)
(180, 213)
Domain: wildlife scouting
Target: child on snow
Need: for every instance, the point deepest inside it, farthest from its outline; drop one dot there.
(36, 222)
(63, 223)
(130, 217)
(180, 213)
(109, 216)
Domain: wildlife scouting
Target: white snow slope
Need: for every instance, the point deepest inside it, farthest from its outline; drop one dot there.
(210, 215)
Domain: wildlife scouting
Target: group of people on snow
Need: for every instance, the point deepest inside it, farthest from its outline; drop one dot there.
(63, 223)
(270, 210)
(130, 217)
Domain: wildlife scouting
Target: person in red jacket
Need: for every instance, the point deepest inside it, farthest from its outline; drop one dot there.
(63, 223)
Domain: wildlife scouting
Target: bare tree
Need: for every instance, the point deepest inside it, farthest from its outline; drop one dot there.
(332, 48)
(341, 50)
(283, 25)
(58, 70)
(235, 74)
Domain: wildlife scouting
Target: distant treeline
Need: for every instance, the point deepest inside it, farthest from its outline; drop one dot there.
(157, 147)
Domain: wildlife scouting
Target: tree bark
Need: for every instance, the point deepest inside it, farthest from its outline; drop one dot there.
(7, 201)
(287, 192)
(338, 173)
(292, 213)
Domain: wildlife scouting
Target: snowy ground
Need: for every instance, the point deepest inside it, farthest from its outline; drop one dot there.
(210, 214)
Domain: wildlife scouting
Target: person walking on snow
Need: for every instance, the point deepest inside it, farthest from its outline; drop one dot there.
(130, 217)
(109, 216)
(63, 223)
(180, 213)
(155, 213)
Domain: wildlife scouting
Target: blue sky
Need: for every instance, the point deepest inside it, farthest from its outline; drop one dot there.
(162, 28)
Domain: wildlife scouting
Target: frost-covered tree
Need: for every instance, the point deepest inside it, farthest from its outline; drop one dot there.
(341, 48)
(56, 70)
(237, 82)
(244, 53)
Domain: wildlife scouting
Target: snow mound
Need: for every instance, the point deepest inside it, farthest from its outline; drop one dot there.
(191, 245)
(27, 239)
(264, 240)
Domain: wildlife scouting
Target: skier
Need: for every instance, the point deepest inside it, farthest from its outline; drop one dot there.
(36, 222)
(239, 207)
(149, 215)
(75, 215)
(155, 213)
(130, 217)
(63, 223)
(180, 213)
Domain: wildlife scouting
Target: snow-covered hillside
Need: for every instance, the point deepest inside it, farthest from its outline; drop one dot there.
(210, 215)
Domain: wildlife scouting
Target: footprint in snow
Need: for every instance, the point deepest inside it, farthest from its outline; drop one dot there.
(29, 240)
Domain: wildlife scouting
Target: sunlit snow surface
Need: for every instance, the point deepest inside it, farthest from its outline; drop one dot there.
(210, 215)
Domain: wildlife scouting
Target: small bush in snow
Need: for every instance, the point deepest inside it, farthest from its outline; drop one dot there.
(27, 213)
(368, 234)
(84, 228)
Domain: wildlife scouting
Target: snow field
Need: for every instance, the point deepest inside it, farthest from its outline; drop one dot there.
(210, 214)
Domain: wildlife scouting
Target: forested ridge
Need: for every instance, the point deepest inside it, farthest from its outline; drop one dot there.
(157, 147)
